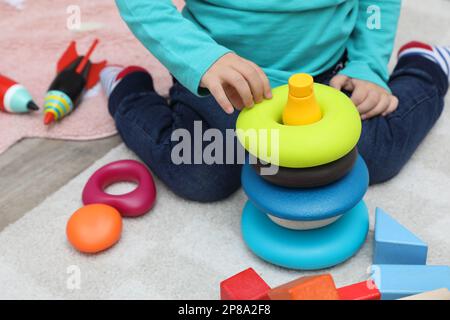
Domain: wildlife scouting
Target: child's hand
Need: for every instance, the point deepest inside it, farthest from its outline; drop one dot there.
(370, 99)
(236, 83)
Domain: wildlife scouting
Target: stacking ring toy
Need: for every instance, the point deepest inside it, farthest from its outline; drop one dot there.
(305, 250)
(303, 225)
(324, 141)
(94, 228)
(307, 204)
(132, 204)
(310, 177)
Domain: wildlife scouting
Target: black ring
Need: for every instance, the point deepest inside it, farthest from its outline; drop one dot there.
(310, 177)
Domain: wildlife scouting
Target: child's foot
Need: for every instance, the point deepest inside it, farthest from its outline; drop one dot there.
(437, 54)
(111, 76)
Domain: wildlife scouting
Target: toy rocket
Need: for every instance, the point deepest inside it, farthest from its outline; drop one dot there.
(75, 74)
(14, 98)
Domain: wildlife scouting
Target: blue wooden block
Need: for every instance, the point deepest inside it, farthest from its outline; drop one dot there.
(394, 244)
(398, 281)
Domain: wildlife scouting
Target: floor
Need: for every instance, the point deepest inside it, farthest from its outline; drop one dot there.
(35, 168)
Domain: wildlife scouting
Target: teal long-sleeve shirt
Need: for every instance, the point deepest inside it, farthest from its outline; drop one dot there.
(282, 36)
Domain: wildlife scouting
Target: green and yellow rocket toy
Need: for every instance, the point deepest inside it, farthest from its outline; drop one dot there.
(75, 75)
(14, 98)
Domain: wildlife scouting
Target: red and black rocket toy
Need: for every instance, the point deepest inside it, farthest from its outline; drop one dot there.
(75, 75)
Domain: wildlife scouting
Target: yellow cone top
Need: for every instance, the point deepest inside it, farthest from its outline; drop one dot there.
(301, 85)
(302, 107)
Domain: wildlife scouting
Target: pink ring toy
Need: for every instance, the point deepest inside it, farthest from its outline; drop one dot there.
(131, 204)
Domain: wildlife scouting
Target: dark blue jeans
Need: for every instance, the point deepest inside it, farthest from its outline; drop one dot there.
(146, 121)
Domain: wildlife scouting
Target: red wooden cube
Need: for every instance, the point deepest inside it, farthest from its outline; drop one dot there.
(246, 285)
(366, 290)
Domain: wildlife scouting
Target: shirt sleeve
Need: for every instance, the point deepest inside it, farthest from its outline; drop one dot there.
(371, 43)
(182, 47)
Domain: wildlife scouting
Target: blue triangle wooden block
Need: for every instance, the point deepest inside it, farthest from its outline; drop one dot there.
(394, 244)
(398, 281)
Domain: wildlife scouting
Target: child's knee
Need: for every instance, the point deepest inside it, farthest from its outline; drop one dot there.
(382, 171)
(205, 183)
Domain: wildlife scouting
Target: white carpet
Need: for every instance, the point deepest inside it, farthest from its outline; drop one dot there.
(182, 250)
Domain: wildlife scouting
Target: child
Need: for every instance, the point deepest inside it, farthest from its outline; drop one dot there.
(237, 50)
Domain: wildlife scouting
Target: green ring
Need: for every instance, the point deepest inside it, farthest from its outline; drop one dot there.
(325, 141)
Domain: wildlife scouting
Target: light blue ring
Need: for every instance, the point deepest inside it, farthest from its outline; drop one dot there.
(305, 250)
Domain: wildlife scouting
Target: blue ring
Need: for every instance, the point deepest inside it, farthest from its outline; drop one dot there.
(305, 250)
(307, 204)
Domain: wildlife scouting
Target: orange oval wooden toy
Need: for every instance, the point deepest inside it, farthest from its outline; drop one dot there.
(302, 107)
(94, 228)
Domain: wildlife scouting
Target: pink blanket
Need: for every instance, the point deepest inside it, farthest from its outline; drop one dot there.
(32, 40)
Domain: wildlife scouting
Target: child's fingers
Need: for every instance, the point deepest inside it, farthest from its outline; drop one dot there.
(339, 81)
(371, 101)
(237, 81)
(348, 86)
(381, 107)
(359, 95)
(219, 94)
(264, 79)
(254, 81)
(393, 105)
(233, 96)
